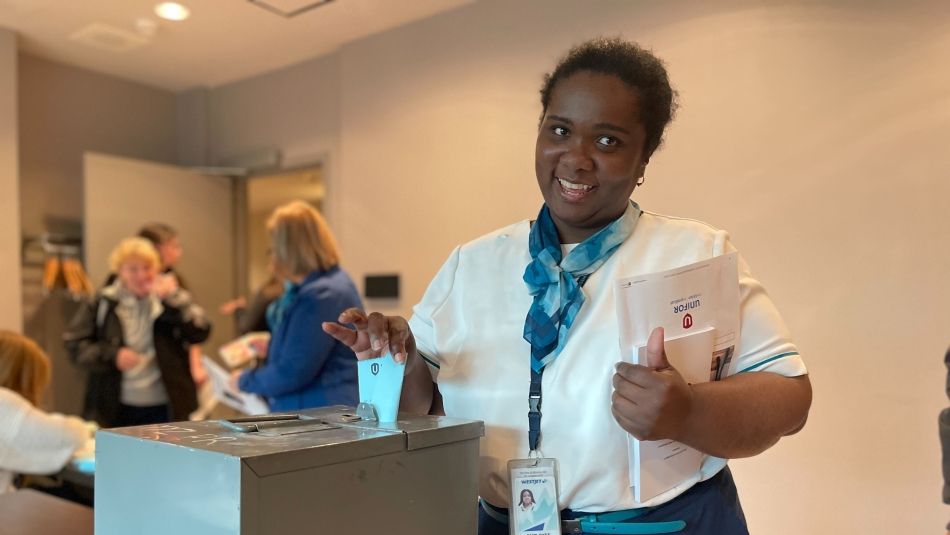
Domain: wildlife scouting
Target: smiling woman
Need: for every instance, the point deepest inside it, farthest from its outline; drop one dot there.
(605, 107)
(527, 311)
(590, 153)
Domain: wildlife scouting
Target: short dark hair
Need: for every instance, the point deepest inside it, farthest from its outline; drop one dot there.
(635, 66)
(157, 233)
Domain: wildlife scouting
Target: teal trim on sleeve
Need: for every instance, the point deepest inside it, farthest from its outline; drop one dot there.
(768, 360)
(430, 362)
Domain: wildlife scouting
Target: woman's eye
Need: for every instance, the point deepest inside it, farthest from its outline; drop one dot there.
(608, 141)
(559, 131)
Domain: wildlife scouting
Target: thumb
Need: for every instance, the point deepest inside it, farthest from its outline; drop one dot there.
(656, 354)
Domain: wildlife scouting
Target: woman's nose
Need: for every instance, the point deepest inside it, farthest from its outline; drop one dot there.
(577, 157)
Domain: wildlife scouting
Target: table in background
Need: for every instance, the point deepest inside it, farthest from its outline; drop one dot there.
(28, 512)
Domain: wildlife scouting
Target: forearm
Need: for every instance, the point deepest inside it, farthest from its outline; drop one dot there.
(97, 356)
(417, 386)
(745, 414)
(279, 379)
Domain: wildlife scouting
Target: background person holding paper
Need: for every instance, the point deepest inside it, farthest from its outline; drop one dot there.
(304, 367)
(539, 295)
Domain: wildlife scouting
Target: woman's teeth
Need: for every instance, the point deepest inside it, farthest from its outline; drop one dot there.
(574, 187)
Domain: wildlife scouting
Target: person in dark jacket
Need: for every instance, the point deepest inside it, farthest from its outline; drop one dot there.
(133, 339)
(304, 366)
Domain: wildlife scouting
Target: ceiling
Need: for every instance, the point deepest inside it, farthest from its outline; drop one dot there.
(222, 41)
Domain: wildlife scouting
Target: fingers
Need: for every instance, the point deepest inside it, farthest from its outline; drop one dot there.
(374, 334)
(638, 375)
(635, 393)
(639, 430)
(355, 316)
(345, 335)
(378, 330)
(650, 404)
(637, 410)
(398, 336)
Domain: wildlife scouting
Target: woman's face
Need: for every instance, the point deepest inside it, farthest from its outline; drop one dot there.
(526, 498)
(170, 252)
(589, 153)
(137, 276)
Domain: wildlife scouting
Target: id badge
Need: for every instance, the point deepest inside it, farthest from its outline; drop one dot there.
(534, 502)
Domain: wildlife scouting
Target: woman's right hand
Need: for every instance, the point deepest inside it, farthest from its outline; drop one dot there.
(373, 334)
(126, 359)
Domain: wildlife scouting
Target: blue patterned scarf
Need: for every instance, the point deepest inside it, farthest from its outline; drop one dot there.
(277, 309)
(553, 282)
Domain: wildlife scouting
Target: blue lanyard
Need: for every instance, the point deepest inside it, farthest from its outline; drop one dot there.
(534, 397)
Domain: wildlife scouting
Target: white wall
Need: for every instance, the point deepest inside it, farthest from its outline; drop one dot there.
(11, 316)
(814, 132)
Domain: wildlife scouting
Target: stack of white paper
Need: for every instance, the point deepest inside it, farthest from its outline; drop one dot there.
(237, 400)
(243, 350)
(698, 307)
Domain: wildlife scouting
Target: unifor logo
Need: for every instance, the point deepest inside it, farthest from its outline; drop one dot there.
(687, 321)
(374, 368)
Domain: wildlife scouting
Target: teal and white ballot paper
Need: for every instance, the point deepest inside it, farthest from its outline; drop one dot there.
(380, 382)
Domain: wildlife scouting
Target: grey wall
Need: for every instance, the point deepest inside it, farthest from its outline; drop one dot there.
(295, 110)
(66, 111)
(10, 293)
(192, 127)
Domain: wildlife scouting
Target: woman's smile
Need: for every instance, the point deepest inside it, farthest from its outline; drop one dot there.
(574, 191)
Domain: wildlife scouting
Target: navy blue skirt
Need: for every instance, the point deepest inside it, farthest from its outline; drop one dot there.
(710, 507)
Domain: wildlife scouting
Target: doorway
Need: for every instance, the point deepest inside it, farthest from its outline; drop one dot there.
(263, 194)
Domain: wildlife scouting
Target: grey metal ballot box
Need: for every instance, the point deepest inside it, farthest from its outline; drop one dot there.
(330, 473)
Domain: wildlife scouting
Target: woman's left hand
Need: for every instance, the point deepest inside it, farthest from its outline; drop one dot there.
(651, 402)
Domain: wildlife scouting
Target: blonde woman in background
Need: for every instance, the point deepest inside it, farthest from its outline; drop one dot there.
(31, 441)
(134, 339)
(305, 367)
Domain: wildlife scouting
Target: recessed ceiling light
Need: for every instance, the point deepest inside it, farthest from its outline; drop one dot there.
(172, 11)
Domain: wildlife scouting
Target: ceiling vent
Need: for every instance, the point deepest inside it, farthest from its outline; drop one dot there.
(289, 8)
(105, 37)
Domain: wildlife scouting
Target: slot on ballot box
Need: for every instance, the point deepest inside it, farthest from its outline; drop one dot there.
(317, 471)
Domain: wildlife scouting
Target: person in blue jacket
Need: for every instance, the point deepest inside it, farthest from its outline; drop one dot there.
(305, 367)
